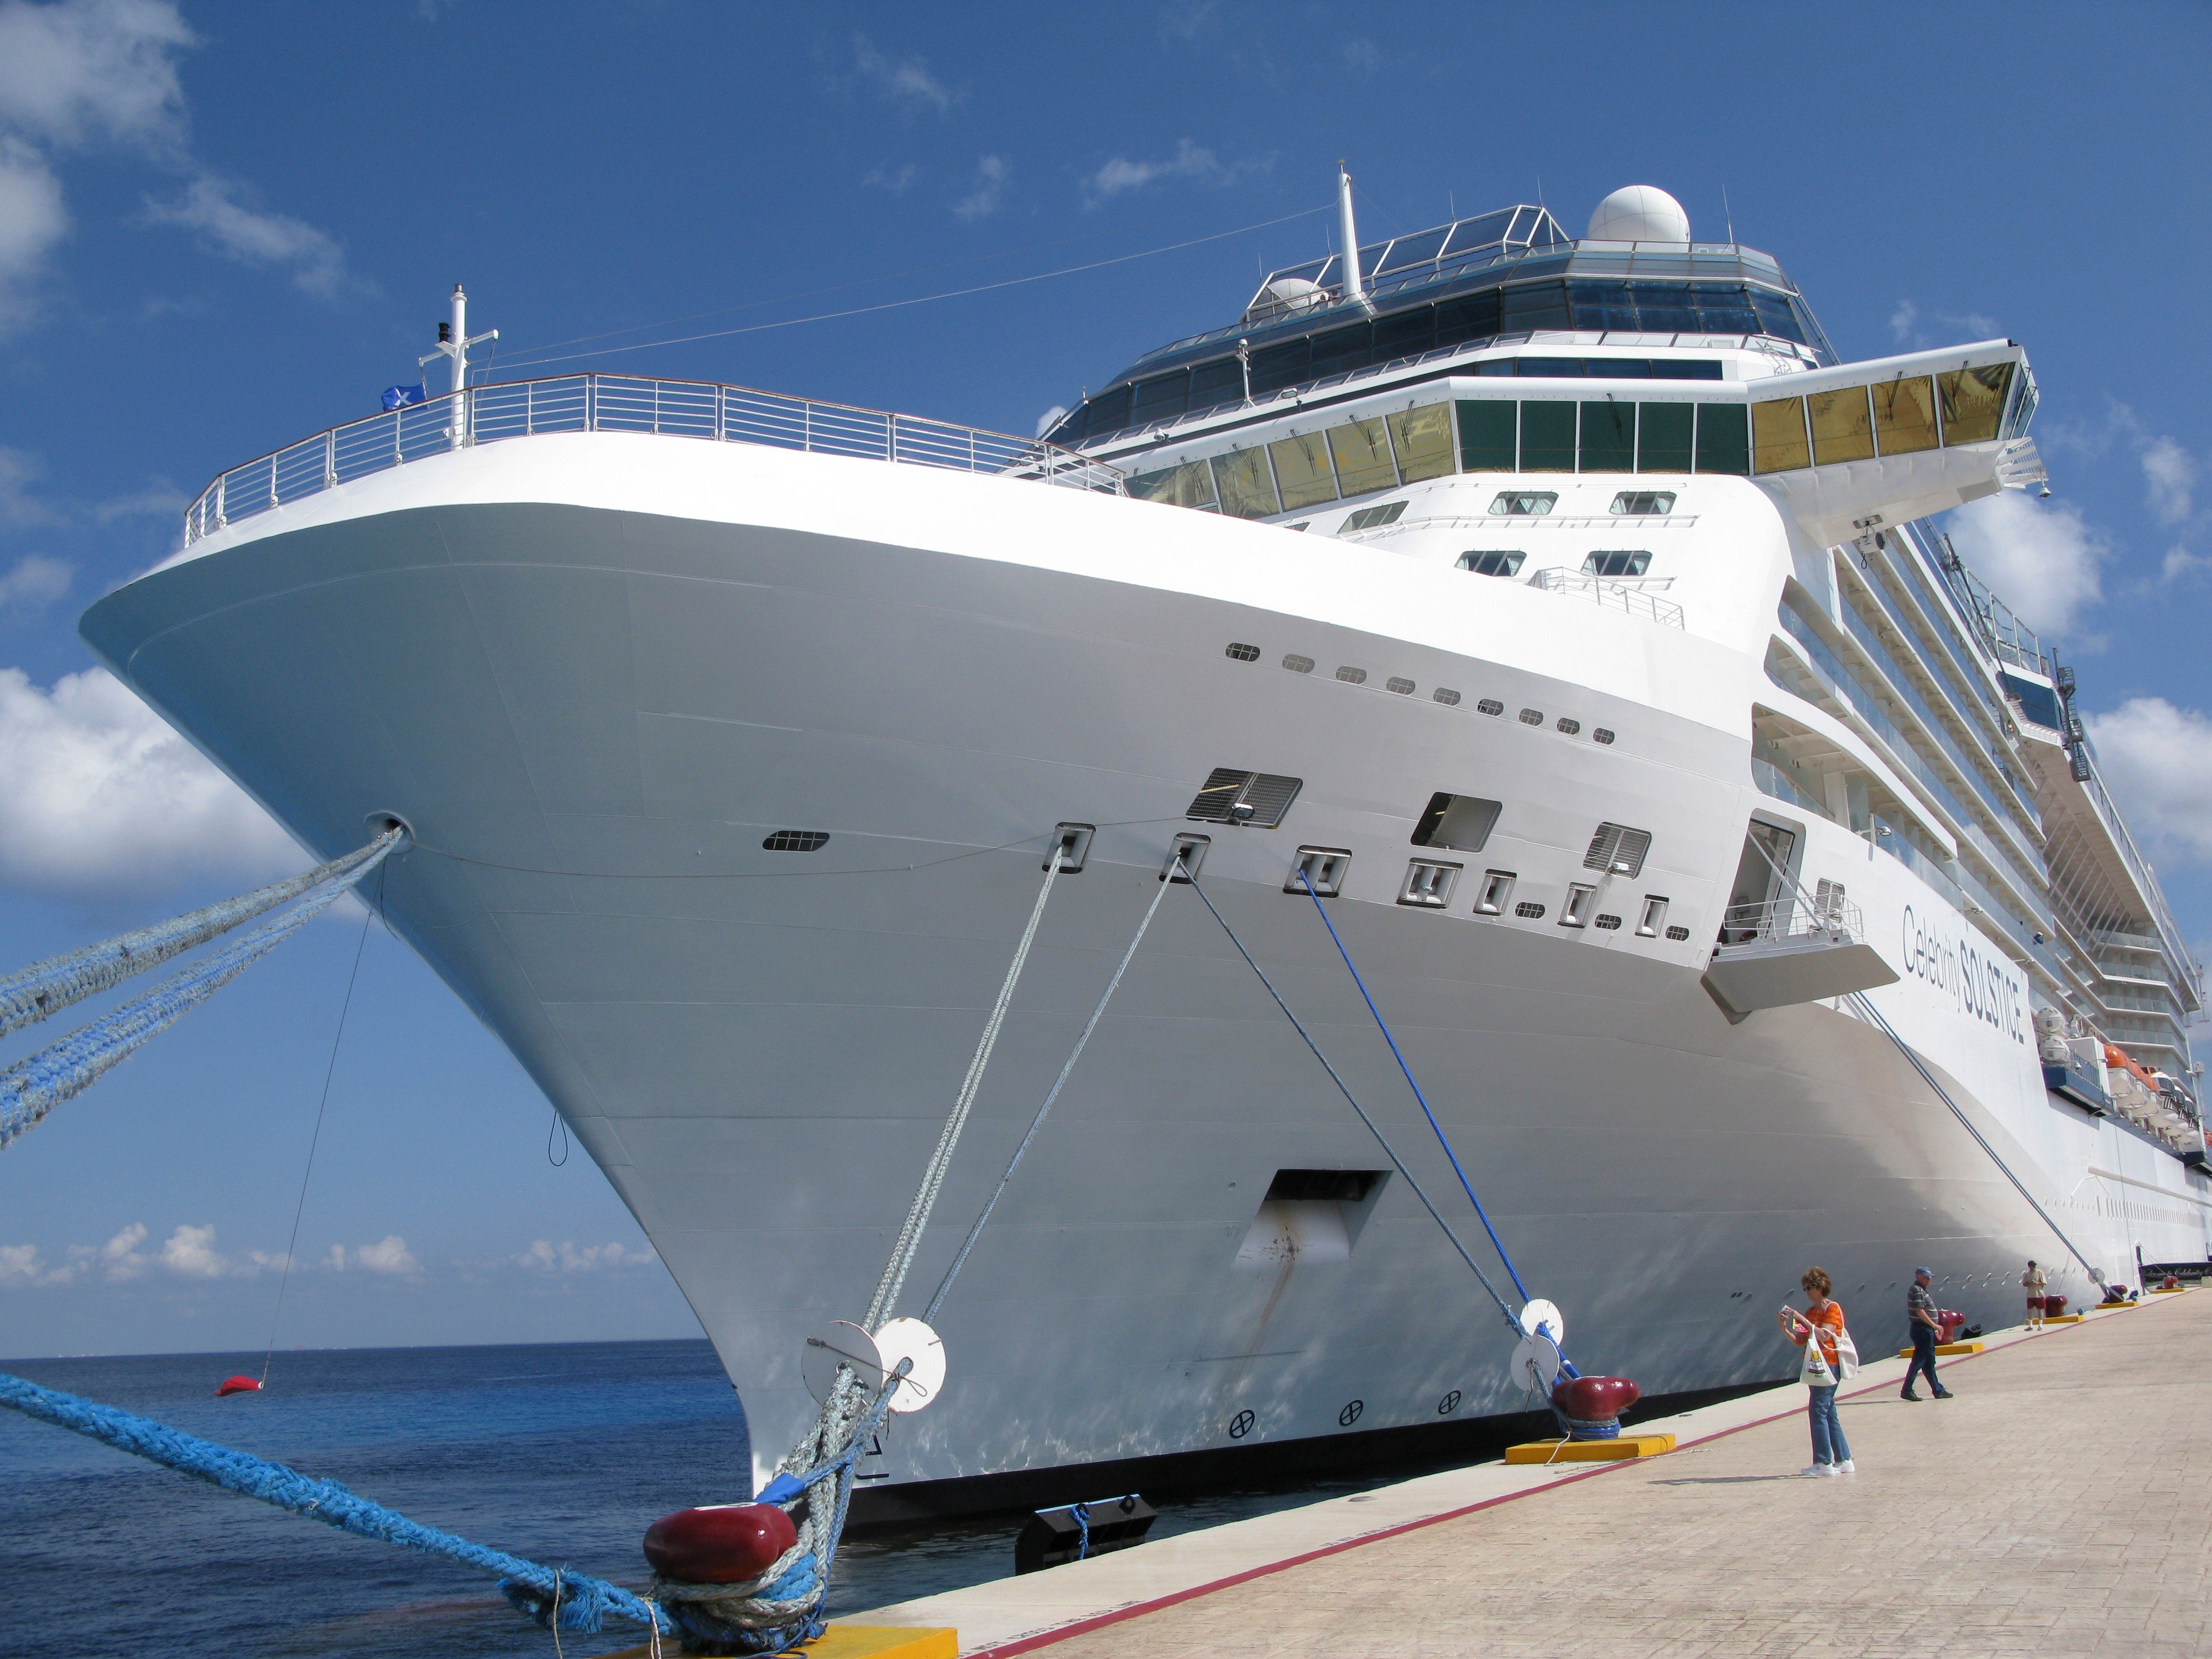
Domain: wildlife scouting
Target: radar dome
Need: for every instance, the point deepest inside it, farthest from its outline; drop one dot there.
(1639, 213)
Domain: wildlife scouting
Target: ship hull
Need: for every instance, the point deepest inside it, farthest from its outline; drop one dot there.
(591, 716)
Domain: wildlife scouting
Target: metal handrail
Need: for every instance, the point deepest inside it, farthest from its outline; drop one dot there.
(617, 402)
(1600, 591)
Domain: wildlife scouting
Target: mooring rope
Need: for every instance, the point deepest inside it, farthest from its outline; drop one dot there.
(584, 1602)
(1344, 1089)
(48, 987)
(34, 1087)
(1059, 1083)
(1466, 1186)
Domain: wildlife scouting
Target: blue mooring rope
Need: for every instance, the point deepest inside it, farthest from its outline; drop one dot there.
(585, 1602)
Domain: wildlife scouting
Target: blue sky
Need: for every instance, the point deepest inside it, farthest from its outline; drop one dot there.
(225, 226)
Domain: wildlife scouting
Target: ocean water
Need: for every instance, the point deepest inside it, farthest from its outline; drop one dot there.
(560, 1453)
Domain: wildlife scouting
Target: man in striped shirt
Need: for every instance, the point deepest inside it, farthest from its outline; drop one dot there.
(1920, 1311)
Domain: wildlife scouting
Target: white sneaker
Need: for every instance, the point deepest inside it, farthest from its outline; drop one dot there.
(1847, 1467)
(1822, 1469)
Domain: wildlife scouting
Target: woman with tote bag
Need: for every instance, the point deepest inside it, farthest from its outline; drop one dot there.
(1830, 1357)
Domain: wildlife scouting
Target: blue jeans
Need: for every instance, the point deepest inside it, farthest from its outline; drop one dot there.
(1923, 1358)
(1829, 1445)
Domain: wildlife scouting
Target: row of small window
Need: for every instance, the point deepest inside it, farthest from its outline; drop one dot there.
(1361, 457)
(1240, 652)
(1646, 307)
(1605, 561)
(1889, 418)
(1428, 887)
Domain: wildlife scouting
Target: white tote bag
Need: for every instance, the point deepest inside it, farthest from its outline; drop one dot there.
(1816, 1371)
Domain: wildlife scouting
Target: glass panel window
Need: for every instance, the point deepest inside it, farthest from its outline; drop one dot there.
(1373, 518)
(1524, 504)
(1602, 305)
(1362, 452)
(1534, 305)
(1342, 348)
(1904, 415)
(1644, 503)
(1407, 334)
(1221, 382)
(1163, 398)
(1489, 436)
(1303, 472)
(1475, 318)
(1842, 430)
(1777, 436)
(1493, 561)
(1423, 439)
(1109, 412)
(1247, 487)
(1665, 308)
(1548, 437)
(1725, 311)
(1775, 317)
(1617, 562)
(1973, 401)
(1179, 486)
(1663, 437)
(1723, 439)
(1608, 437)
(1276, 366)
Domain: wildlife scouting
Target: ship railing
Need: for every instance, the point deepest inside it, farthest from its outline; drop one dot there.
(616, 403)
(1616, 595)
(1826, 915)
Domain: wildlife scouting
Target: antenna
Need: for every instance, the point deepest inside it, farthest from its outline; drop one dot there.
(1730, 212)
(1349, 235)
(453, 342)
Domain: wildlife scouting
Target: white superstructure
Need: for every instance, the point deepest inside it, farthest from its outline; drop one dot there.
(1566, 598)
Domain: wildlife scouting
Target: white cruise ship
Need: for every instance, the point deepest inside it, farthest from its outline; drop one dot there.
(1564, 608)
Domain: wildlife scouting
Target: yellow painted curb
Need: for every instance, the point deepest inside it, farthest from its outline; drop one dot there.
(1590, 1451)
(2063, 1318)
(856, 1641)
(1945, 1347)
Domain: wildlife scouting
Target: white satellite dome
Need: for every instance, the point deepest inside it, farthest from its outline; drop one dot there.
(1639, 213)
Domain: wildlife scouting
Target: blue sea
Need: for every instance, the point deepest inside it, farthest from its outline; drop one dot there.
(561, 1453)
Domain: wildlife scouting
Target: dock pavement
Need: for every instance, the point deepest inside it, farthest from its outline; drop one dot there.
(2057, 1504)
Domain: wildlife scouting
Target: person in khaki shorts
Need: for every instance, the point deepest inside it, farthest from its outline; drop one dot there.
(2034, 1282)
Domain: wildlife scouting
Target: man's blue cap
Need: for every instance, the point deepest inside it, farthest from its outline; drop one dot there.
(1930, 1272)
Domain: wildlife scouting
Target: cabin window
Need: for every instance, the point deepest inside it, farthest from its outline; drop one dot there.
(1973, 401)
(1303, 472)
(1548, 437)
(1422, 438)
(1373, 518)
(1904, 415)
(1608, 437)
(1534, 305)
(1644, 503)
(1666, 308)
(1617, 562)
(1843, 428)
(1361, 451)
(1524, 504)
(1247, 487)
(1179, 486)
(1489, 705)
(1663, 436)
(1161, 398)
(1493, 561)
(1489, 436)
(1723, 439)
(1777, 436)
(1221, 381)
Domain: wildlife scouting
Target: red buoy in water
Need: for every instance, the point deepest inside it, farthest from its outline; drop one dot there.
(237, 1385)
(721, 1544)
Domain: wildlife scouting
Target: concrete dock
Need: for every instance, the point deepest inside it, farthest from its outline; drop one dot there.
(2058, 1504)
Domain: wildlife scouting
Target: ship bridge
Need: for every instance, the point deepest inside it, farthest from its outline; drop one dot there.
(1438, 293)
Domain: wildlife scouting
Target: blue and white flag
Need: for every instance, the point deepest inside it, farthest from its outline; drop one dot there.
(398, 397)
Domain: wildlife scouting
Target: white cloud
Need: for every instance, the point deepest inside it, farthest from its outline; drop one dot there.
(569, 1258)
(906, 79)
(102, 797)
(190, 1253)
(2169, 480)
(2179, 561)
(21, 509)
(20, 1265)
(1360, 57)
(1901, 322)
(390, 1256)
(34, 583)
(991, 175)
(121, 1255)
(1051, 418)
(2158, 759)
(2042, 560)
(893, 179)
(218, 208)
(1190, 160)
(83, 73)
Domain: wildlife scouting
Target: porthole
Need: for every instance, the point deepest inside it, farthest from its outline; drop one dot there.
(1298, 665)
(1601, 736)
(796, 841)
(1489, 705)
(1403, 688)
(1569, 727)
(1353, 676)
(1528, 910)
(1607, 924)
(1678, 934)
(1445, 696)
(1244, 652)
(1532, 717)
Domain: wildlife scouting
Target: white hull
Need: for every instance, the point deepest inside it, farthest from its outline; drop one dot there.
(592, 672)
